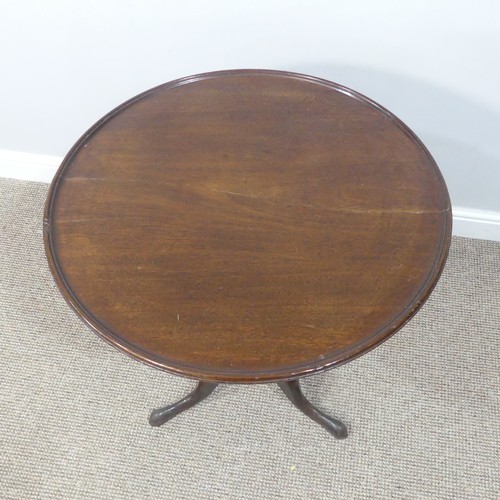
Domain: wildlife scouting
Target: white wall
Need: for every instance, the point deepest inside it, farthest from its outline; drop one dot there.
(435, 64)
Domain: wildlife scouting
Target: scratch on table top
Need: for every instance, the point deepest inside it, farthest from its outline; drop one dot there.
(355, 210)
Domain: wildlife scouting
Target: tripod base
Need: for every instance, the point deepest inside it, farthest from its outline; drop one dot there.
(291, 389)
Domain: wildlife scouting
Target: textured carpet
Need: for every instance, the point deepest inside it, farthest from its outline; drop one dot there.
(423, 409)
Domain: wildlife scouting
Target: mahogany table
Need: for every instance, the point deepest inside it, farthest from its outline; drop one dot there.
(247, 226)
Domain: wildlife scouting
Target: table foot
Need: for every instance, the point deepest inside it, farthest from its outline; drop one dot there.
(295, 395)
(161, 415)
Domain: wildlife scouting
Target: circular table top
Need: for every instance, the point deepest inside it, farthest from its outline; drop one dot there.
(247, 226)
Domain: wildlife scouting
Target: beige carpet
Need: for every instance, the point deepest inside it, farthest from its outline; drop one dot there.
(423, 409)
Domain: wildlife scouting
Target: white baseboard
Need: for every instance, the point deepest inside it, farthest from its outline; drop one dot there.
(467, 222)
(28, 166)
(479, 224)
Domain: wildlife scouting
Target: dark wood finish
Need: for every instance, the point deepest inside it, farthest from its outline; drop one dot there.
(162, 415)
(247, 226)
(294, 393)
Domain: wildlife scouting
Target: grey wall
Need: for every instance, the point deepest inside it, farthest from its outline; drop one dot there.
(434, 64)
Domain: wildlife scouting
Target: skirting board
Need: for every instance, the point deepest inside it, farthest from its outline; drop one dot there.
(467, 222)
(28, 166)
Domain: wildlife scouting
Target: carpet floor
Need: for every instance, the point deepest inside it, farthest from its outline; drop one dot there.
(423, 409)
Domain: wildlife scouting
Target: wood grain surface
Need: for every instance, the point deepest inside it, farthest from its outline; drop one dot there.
(247, 226)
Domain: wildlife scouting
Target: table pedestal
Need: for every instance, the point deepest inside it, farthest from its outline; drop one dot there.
(291, 389)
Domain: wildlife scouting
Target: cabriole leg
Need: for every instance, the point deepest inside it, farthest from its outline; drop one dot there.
(161, 415)
(294, 394)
